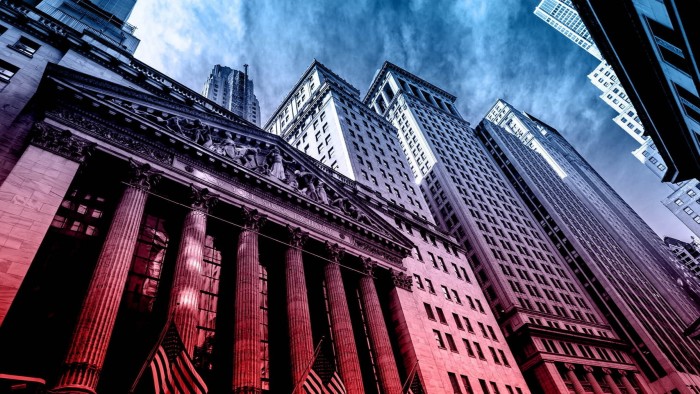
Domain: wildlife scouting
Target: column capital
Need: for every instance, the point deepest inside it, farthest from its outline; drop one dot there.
(297, 237)
(142, 175)
(588, 368)
(401, 280)
(202, 199)
(607, 371)
(252, 219)
(570, 367)
(368, 265)
(61, 142)
(335, 252)
(622, 372)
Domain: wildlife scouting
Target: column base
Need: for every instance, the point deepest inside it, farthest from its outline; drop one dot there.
(247, 390)
(79, 378)
(72, 389)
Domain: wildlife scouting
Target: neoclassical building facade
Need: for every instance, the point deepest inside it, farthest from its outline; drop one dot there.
(141, 209)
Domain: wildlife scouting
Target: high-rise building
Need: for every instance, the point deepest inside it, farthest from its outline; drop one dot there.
(464, 350)
(561, 15)
(614, 94)
(652, 46)
(323, 117)
(604, 242)
(559, 338)
(688, 253)
(233, 90)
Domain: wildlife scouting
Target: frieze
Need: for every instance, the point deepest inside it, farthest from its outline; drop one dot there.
(390, 257)
(61, 142)
(117, 137)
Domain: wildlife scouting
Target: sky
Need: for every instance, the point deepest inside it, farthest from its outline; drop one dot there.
(478, 50)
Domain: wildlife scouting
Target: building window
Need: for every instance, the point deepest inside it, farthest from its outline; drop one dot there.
(438, 339)
(144, 275)
(454, 383)
(25, 46)
(467, 384)
(451, 343)
(7, 71)
(429, 311)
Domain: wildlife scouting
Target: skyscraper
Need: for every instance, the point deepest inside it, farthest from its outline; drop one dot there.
(462, 349)
(233, 90)
(561, 15)
(559, 338)
(605, 244)
(652, 46)
(688, 253)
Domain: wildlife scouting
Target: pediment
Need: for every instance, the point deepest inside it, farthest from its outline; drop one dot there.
(227, 139)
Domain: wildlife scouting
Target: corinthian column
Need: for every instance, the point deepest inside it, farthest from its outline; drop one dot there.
(570, 372)
(301, 346)
(247, 334)
(626, 383)
(88, 348)
(184, 296)
(341, 325)
(610, 381)
(387, 371)
(591, 379)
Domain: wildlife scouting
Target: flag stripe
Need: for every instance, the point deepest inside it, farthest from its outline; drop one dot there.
(172, 369)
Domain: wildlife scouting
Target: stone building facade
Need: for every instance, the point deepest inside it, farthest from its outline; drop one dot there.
(559, 338)
(638, 294)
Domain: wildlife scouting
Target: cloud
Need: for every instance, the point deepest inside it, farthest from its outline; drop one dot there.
(479, 50)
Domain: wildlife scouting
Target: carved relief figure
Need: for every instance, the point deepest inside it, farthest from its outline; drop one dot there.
(277, 164)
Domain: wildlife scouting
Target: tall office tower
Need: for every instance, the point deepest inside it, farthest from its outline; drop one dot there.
(688, 253)
(652, 46)
(613, 94)
(559, 338)
(561, 15)
(323, 116)
(233, 90)
(684, 200)
(455, 336)
(584, 220)
(104, 18)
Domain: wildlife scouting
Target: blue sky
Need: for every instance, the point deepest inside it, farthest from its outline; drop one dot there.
(479, 50)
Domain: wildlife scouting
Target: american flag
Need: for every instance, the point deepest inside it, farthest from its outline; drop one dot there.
(323, 377)
(172, 369)
(413, 382)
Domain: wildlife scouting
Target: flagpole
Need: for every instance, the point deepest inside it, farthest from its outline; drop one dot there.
(151, 355)
(306, 371)
(410, 376)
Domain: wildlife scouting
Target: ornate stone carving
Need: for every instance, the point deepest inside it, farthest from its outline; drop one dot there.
(588, 368)
(202, 199)
(252, 219)
(61, 142)
(622, 372)
(570, 367)
(297, 238)
(401, 280)
(371, 248)
(142, 175)
(607, 371)
(272, 162)
(335, 252)
(117, 137)
(368, 265)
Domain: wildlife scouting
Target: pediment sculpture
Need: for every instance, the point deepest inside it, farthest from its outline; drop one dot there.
(272, 162)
